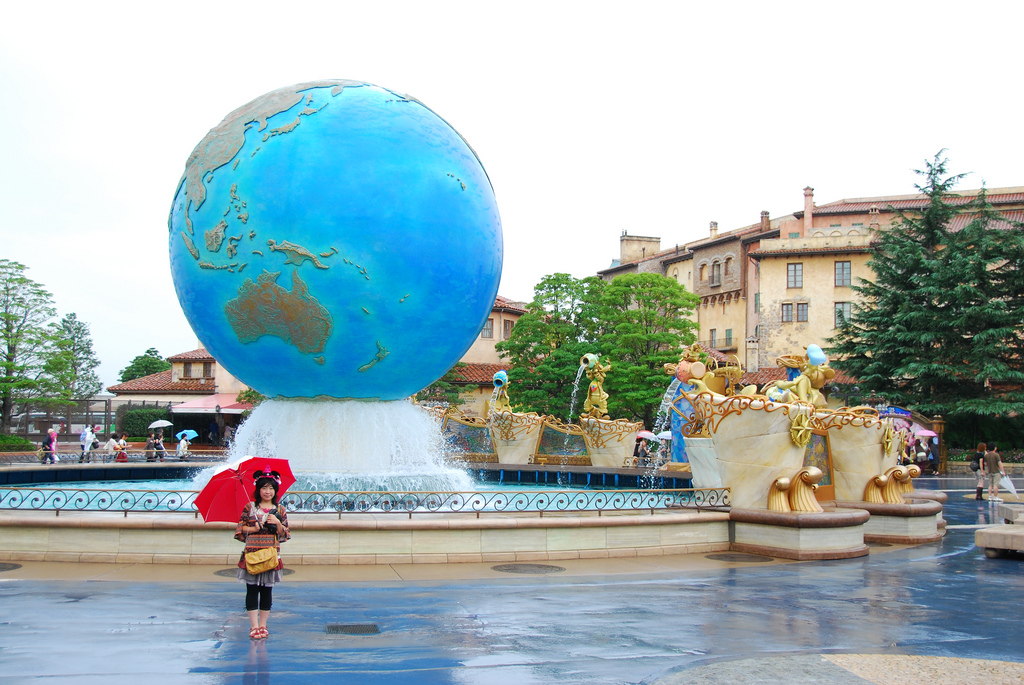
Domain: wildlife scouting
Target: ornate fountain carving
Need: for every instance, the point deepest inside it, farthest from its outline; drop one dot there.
(596, 404)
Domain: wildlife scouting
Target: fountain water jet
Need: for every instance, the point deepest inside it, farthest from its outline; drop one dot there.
(351, 445)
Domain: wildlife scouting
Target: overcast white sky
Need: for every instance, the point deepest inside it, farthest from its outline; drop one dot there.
(590, 117)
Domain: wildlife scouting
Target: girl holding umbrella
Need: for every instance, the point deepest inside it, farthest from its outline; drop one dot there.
(262, 524)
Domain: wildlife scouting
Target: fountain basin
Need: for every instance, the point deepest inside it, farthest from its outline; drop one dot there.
(832, 534)
(97, 537)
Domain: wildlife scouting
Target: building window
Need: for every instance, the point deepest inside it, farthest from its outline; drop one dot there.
(728, 337)
(187, 372)
(728, 266)
(787, 313)
(801, 312)
(843, 312)
(714, 337)
(507, 329)
(488, 331)
(716, 273)
(842, 274)
(757, 303)
(835, 225)
(675, 275)
(703, 272)
(794, 235)
(207, 369)
(794, 275)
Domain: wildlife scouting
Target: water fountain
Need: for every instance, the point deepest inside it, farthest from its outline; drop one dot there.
(783, 451)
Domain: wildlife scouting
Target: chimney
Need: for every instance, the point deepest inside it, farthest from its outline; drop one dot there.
(766, 223)
(873, 214)
(714, 230)
(808, 210)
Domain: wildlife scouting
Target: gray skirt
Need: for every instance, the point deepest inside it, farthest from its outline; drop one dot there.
(266, 579)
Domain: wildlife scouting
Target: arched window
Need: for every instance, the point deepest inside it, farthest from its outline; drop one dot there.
(716, 273)
(703, 272)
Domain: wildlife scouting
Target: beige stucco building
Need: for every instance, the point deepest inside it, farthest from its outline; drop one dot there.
(771, 288)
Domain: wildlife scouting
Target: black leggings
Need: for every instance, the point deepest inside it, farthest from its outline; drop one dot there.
(258, 597)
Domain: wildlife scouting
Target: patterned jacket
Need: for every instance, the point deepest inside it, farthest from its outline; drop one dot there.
(248, 520)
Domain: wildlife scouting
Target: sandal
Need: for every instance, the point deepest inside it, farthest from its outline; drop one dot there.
(263, 632)
(256, 633)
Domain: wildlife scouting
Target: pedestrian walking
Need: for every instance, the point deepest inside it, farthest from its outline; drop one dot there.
(979, 456)
(992, 466)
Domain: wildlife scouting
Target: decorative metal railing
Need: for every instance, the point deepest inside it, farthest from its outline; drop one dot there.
(102, 457)
(539, 501)
(83, 499)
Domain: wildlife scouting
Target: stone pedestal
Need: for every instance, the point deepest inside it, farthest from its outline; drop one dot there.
(913, 523)
(834, 534)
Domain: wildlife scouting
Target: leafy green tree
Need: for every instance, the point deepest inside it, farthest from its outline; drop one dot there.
(939, 328)
(144, 365)
(26, 309)
(560, 325)
(444, 389)
(70, 371)
(646, 326)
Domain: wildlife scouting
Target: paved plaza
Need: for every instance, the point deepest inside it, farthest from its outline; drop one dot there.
(937, 613)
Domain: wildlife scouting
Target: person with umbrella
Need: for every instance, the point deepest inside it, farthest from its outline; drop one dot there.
(183, 443)
(263, 524)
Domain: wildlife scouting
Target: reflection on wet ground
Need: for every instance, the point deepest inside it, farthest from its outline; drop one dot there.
(942, 599)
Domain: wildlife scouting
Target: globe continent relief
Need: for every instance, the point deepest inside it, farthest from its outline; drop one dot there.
(335, 239)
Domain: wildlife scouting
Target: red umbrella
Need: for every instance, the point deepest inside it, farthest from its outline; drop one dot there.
(230, 489)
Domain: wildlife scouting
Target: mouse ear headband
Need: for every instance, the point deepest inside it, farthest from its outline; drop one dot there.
(267, 473)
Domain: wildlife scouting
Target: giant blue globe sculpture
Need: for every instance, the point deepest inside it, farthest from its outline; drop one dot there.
(335, 239)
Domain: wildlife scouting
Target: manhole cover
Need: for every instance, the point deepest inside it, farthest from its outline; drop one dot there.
(878, 544)
(532, 569)
(739, 556)
(233, 572)
(4, 566)
(352, 629)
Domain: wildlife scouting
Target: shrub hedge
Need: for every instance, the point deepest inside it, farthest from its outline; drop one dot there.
(14, 443)
(136, 421)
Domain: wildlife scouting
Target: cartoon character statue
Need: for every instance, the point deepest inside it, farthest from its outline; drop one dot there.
(500, 401)
(723, 380)
(596, 404)
(807, 375)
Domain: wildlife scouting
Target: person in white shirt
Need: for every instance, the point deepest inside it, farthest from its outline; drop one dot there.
(87, 437)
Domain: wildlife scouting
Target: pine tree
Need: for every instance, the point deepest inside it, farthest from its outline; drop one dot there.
(70, 371)
(145, 364)
(939, 327)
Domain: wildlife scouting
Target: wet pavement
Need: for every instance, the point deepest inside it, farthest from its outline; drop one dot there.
(851, 621)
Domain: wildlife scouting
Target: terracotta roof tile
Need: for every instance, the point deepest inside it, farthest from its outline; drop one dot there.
(1006, 224)
(480, 374)
(161, 383)
(768, 374)
(714, 354)
(905, 202)
(505, 303)
(825, 249)
(199, 354)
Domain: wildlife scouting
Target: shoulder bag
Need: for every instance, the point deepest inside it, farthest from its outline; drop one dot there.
(261, 551)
